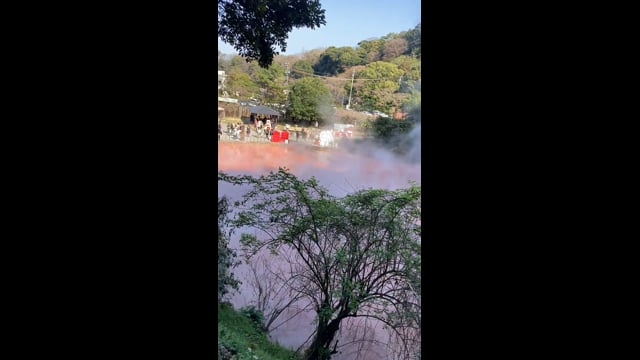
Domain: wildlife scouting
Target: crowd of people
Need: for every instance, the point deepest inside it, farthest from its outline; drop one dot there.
(261, 129)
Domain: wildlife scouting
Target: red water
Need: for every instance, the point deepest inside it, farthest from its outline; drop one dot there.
(339, 171)
(375, 169)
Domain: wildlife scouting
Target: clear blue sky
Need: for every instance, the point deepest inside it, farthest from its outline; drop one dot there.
(349, 22)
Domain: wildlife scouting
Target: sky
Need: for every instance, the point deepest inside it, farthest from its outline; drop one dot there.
(349, 22)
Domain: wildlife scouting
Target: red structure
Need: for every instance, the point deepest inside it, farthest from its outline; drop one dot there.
(279, 136)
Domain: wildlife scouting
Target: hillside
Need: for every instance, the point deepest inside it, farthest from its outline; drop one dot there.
(381, 74)
(239, 338)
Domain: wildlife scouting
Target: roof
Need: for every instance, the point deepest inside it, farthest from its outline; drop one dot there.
(259, 109)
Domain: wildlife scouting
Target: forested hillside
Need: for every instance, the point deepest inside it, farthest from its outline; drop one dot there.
(381, 75)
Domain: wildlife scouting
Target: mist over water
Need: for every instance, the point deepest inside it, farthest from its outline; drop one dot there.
(341, 172)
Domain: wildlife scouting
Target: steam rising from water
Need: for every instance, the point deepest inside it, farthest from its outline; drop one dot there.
(341, 172)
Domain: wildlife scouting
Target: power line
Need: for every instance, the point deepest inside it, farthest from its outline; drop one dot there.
(338, 78)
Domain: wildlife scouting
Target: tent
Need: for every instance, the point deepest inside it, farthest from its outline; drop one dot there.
(262, 110)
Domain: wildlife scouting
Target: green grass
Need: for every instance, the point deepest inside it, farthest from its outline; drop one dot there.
(238, 333)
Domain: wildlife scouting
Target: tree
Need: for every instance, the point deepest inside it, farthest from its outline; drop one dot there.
(394, 48)
(411, 66)
(414, 41)
(329, 62)
(223, 62)
(370, 50)
(255, 27)
(271, 80)
(376, 92)
(348, 56)
(237, 62)
(335, 60)
(310, 99)
(240, 83)
(226, 257)
(356, 256)
(272, 295)
(302, 68)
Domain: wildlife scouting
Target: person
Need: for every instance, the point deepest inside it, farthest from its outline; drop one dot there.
(219, 131)
(248, 131)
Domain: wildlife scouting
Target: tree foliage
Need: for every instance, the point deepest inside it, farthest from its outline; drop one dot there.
(414, 41)
(370, 50)
(240, 84)
(356, 256)
(271, 82)
(411, 67)
(329, 62)
(376, 93)
(301, 68)
(335, 60)
(226, 256)
(394, 48)
(255, 27)
(310, 99)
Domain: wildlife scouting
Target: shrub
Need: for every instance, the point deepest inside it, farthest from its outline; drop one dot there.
(255, 315)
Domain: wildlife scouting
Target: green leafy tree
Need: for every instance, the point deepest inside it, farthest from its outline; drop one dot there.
(265, 77)
(388, 131)
(302, 68)
(237, 62)
(411, 66)
(394, 48)
(335, 60)
(310, 99)
(354, 256)
(226, 256)
(414, 100)
(271, 80)
(381, 80)
(370, 50)
(329, 62)
(255, 27)
(348, 56)
(414, 41)
(240, 84)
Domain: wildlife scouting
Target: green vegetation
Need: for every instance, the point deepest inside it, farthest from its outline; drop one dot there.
(310, 100)
(383, 80)
(302, 68)
(254, 28)
(226, 256)
(387, 74)
(239, 338)
(311, 86)
(354, 256)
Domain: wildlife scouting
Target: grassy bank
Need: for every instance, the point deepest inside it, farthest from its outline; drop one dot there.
(240, 338)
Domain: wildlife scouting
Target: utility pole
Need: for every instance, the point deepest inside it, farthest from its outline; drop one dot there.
(353, 74)
(286, 102)
(287, 72)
